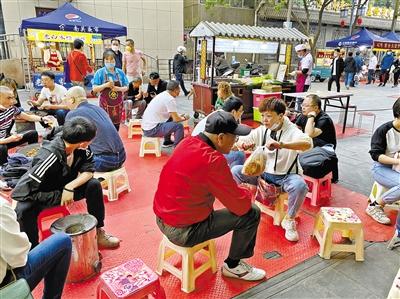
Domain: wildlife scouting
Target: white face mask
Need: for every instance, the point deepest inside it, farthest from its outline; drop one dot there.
(114, 48)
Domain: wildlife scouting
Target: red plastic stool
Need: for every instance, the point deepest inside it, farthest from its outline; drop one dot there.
(319, 189)
(46, 219)
(130, 280)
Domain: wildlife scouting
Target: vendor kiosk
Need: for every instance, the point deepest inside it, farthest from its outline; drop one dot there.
(211, 38)
(63, 26)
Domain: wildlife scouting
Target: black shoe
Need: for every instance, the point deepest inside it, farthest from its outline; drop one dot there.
(168, 143)
(380, 84)
(394, 86)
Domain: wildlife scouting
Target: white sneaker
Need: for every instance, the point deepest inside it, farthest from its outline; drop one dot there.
(289, 226)
(243, 271)
(377, 213)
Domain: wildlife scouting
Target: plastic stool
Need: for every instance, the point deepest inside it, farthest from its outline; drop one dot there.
(377, 192)
(188, 273)
(130, 280)
(319, 189)
(155, 146)
(277, 211)
(135, 127)
(113, 190)
(343, 220)
(46, 219)
(361, 114)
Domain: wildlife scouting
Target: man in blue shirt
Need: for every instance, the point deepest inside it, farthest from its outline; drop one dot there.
(107, 146)
(386, 64)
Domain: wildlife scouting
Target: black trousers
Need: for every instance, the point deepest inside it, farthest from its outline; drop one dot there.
(337, 80)
(396, 77)
(28, 211)
(27, 137)
(219, 223)
(384, 76)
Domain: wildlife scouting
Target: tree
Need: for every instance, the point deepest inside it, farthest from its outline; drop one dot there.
(395, 15)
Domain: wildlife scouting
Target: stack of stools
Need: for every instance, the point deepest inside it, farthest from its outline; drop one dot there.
(130, 280)
(319, 190)
(113, 186)
(150, 145)
(47, 217)
(342, 220)
(277, 211)
(188, 273)
(135, 127)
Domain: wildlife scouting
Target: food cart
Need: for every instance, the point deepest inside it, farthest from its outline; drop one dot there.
(322, 69)
(230, 38)
(63, 26)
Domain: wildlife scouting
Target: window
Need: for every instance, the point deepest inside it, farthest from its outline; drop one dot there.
(236, 3)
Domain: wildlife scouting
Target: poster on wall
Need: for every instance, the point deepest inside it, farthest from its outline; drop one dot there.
(203, 60)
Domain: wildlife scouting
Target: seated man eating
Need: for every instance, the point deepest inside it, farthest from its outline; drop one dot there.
(50, 98)
(62, 172)
(155, 87)
(283, 140)
(196, 174)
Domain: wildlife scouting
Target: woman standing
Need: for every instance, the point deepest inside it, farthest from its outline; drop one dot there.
(52, 57)
(111, 83)
(349, 69)
(78, 64)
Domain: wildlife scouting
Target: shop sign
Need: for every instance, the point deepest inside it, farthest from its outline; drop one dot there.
(203, 60)
(386, 45)
(63, 36)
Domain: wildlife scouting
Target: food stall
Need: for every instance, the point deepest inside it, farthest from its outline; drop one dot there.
(63, 26)
(322, 69)
(211, 38)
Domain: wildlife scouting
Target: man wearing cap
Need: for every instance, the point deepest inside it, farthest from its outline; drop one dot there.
(303, 73)
(192, 178)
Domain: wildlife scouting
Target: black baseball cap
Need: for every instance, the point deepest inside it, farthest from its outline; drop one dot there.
(224, 122)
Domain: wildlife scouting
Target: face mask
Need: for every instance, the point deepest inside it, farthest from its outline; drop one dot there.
(115, 48)
(300, 56)
(128, 48)
(109, 65)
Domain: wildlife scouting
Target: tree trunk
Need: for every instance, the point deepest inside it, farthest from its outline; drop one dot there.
(395, 15)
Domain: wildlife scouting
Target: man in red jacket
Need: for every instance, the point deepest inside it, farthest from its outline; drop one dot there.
(193, 177)
(78, 64)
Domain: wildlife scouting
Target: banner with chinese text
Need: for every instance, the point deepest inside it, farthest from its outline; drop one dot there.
(63, 36)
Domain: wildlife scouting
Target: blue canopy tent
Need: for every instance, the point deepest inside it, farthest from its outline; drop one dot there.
(392, 36)
(69, 18)
(361, 38)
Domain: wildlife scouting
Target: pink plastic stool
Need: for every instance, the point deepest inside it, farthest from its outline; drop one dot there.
(46, 219)
(130, 280)
(319, 189)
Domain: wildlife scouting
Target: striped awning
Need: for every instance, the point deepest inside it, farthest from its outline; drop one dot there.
(210, 29)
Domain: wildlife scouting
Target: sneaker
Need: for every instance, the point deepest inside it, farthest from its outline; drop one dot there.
(395, 242)
(243, 271)
(289, 225)
(106, 241)
(376, 212)
(167, 143)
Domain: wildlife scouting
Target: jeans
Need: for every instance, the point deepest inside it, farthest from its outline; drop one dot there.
(348, 78)
(389, 178)
(28, 137)
(165, 130)
(109, 161)
(235, 158)
(371, 76)
(49, 260)
(28, 211)
(179, 78)
(217, 224)
(293, 184)
(335, 78)
(130, 104)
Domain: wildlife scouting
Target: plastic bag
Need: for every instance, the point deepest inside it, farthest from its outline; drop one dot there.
(255, 164)
(266, 193)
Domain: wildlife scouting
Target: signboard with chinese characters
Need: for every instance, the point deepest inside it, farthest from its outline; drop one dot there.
(203, 60)
(387, 45)
(63, 36)
(324, 57)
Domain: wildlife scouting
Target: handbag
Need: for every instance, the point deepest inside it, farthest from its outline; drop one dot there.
(17, 289)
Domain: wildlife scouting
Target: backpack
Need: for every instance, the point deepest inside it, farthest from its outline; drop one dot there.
(318, 162)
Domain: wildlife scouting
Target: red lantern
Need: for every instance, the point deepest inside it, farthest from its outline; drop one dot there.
(359, 21)
(342, 23)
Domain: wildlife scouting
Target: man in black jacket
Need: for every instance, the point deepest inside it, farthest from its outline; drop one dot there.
(180, 62)
(156, 86)
(337, 68)
(62, 172)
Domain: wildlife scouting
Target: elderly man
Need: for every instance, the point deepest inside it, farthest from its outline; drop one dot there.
(61, 173)
(155, 87)
(8, 113)
(50, 98)
(282, 140)
(192, 178)
(107, 146)
(161, 118)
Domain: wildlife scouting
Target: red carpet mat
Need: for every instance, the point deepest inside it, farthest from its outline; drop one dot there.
(131, 219)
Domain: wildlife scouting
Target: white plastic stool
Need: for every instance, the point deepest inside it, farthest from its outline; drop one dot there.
(277, 211)
(111, 179)
(134, 127)
(150, 145)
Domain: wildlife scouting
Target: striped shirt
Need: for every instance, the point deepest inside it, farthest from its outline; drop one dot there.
(6, 118)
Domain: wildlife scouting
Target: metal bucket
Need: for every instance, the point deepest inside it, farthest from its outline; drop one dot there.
(85, 261)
